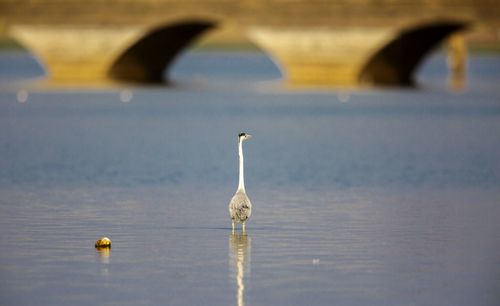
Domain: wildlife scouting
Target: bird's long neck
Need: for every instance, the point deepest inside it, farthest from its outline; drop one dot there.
(241, 183)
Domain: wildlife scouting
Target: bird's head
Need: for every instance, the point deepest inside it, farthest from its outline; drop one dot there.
(244, 136)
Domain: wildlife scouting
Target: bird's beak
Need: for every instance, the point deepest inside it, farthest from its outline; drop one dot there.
(248, 136)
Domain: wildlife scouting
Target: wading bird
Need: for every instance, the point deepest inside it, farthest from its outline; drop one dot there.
(240, 207)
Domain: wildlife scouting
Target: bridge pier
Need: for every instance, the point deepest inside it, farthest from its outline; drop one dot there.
(76, 53)
(321, 56)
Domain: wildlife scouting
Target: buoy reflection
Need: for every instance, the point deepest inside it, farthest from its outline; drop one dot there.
(104, 254)
(239, 260)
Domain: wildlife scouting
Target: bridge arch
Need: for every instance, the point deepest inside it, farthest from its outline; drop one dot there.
(396, 62)
(146, 60)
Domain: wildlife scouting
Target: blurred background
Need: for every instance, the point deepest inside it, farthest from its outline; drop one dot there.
(332, 43)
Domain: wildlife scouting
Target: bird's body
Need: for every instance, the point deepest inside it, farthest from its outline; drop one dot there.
(240, 207)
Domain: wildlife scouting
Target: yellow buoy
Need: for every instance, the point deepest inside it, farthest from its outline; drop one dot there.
(103, 242)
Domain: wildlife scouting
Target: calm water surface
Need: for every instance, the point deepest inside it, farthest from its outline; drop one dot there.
(367, 197)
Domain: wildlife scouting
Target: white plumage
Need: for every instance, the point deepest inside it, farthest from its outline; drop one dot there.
(240, 207)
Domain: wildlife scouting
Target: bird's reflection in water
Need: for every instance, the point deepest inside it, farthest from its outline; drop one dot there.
(239, 261)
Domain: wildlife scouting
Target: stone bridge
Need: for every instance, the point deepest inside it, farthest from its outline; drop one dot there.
(343, 42)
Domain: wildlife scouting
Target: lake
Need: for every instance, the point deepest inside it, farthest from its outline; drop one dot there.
(360, 196)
